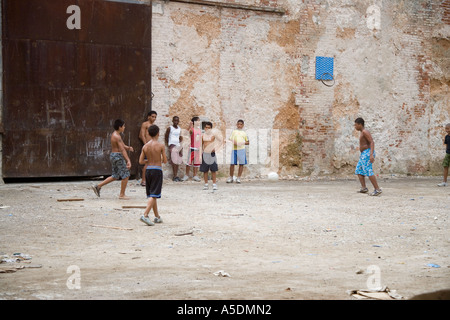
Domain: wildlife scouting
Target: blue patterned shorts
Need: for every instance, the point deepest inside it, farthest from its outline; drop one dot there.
(119, 166)
(364, 166)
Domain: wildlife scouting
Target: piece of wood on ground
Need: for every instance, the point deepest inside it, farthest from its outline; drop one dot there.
(110, 227)
(136, 207)
(185, 233)
(70, 199)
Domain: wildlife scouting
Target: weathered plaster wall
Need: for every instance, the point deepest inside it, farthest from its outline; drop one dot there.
(391, 67)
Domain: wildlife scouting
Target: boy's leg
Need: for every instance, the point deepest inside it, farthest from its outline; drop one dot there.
(143, 175)
(105, 182)
(362, 180)
(175, 170)
(155, 208)
(241, 169)
(150, 205)
(231, 170)
(205, 177)
(373, 180)
(97, 187)
(445, 174)
(213, 175)
(144, 217)
(123, 186)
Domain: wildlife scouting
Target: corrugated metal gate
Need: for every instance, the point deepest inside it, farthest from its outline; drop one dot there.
(63, 88)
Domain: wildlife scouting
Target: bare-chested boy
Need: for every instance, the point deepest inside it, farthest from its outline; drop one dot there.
(209, 160)
(152, 156)
(120, 161)
(145, 137)
(364, 166)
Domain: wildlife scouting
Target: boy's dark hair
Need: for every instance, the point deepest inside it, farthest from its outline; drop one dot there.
(151, 112)
(241, 121)
(360, 121)
(207, 123)
(153, 130)
(118, 123)
(195, 119)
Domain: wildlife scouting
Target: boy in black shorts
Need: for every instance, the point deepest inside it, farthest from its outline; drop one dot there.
(209, 160)
(152, 155)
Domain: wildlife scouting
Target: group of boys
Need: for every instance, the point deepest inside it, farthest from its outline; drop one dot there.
(202, 156)
(202, 150)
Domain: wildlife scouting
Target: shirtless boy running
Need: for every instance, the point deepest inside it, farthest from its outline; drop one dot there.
(120, 161)
(152, 155)
(364, 166)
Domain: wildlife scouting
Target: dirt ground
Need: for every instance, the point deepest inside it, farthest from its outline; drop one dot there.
(290, 239)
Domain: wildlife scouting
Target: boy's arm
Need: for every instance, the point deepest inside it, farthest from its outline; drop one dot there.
(166, 136)
(163, 154)
(369, 138)
(142, 134)
(142, 157)
(123, 150)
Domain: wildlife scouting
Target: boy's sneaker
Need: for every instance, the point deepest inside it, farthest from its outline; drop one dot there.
(195, 178)
(215, 187)
(157, 220)
(375, 193)
(205, 187)
(147, 221)
(176, 179)
(230, 180)
(185, 178)
(96, 190)
(442, 184)
(238, 180)
(363, 190)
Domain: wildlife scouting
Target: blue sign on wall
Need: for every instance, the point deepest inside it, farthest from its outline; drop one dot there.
(324, 68)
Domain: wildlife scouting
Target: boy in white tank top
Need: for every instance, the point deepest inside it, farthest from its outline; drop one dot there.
(173, 139)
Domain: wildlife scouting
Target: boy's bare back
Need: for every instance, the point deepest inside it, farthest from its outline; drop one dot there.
(154, 151)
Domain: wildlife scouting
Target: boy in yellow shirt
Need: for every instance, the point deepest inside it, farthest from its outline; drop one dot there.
(240, 140)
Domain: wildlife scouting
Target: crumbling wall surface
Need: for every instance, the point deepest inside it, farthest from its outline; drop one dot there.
(385, 58)
(391, 63)
(225, 64)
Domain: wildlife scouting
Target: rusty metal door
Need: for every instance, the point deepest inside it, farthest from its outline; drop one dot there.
(63, 88)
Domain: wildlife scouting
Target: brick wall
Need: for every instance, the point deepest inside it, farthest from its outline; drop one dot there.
(391, 66)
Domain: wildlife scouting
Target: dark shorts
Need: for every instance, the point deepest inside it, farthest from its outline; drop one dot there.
(119, 166)
(209, 162)
(153, 181)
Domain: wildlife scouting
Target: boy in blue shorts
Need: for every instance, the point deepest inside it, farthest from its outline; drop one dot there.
(240, 140)
(364, 166)
(120, 161)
